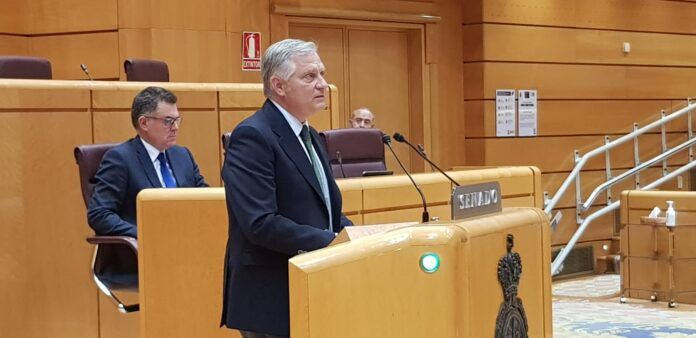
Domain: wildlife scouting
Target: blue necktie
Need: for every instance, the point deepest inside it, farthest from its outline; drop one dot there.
(167, 177)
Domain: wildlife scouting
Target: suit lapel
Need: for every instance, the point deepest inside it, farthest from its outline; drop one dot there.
(291, 145)
(146, 163)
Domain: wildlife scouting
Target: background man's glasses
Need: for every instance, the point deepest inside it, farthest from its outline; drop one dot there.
(168, 121)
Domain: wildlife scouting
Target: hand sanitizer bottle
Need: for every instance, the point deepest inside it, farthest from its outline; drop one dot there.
(671, 214)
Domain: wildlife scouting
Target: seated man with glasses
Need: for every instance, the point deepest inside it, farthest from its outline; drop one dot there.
(150, 160)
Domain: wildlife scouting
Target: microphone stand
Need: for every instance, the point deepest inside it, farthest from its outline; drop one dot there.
(340, 163)
(425, 217)
(400, 138)
(421, 150)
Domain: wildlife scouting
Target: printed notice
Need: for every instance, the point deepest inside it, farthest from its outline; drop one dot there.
(505, 112)
(527, 110)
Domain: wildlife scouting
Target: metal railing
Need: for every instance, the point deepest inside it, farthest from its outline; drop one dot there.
(581, 161)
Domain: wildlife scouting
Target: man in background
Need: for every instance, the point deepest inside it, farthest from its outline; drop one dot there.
(362, 118)
(149, 160)
(281, 197)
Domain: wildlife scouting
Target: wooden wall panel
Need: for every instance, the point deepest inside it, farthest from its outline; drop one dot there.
(13, 45)
(530, 44)
(113, 324)
(554, 117)
(61, 16)
(630, 15)
(206, 58)
(99, 51)
(557, 154)
(588, 81)
(45, 259)
(14, 17)
(209, 15)
(386, 6)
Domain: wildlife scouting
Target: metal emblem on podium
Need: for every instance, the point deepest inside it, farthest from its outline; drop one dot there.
(511, 321)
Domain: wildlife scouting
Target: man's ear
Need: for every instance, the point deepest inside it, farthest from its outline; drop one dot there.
(142, 123)
(278, 86)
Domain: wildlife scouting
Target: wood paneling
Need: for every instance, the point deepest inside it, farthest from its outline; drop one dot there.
(390, 103)
(99, 51)
(113, 324)
(557, 154)
(42, 249)
(554, 117)
(387, 6)
(54, 16)
(206, 58)
(14, 17)
(208, 15)
(188, 227)
(630, 15)
(583, 82)
(530, 44)
(14, 45)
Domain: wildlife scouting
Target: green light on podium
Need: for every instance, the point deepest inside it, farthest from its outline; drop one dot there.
(429, 262)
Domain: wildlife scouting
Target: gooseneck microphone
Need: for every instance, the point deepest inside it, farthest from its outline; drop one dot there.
(340, 163)
(426, 217)
(421, 150)
(400, 138)
(86, 71)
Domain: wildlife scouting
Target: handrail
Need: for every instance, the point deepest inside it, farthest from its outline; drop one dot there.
(595, 193)
(630, 136)
(558, 262)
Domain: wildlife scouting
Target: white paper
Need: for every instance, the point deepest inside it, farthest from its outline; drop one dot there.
(505, 113)
(527, 109)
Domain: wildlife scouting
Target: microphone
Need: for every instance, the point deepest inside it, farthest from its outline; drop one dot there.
(400, 138)
(387, 140)
(421, 150)
(86, 71)
(340, 163)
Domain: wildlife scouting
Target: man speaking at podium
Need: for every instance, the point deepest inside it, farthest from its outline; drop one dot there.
(281, 197)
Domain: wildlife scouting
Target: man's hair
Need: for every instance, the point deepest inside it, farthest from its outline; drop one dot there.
(277, 60)
(352, 114)
(145, 103)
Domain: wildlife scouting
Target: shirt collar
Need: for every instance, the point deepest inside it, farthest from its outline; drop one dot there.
(151, 150)
(294, 123)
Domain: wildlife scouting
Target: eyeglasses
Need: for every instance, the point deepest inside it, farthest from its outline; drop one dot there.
(168, 121)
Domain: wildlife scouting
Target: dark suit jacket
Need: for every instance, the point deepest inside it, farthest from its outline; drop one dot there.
(125, 170)
(276, 210)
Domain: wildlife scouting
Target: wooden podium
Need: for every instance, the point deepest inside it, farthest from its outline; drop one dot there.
(379, 285)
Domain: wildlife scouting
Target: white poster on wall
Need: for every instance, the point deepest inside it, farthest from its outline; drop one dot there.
(505, 123)
(527, 111)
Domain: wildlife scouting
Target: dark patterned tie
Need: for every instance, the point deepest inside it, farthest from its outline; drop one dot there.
(167, 177)
(307, 140)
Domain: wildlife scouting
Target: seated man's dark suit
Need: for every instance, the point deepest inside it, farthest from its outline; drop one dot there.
(276, 210)
(125, 170)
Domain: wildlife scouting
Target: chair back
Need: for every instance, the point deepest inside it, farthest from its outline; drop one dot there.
(88, 159)
(146, 70)
(354, 150)
(25, 67)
